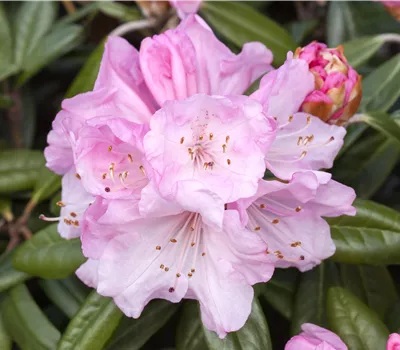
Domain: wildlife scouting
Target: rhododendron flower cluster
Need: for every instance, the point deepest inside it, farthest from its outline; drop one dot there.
(315, 338)
(163, 165)
(337, 92)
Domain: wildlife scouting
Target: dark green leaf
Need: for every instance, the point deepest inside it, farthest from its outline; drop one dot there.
(48, 255)
(77, 15)
(19, 169)
(371, 284)
(9, 277)
(6, 45)
(241, 23)
(301, 29)
(55, 44)
(358, 51)
(119, 11)
(33, 20)
(132, 334)
(26, 323)
(280, 290)
(357, 325)
(5, 340)
(190, 333)
(371, 237)
(92, 326)
(5, 101)
(384, 123)
(68, 294)
(254, 335)
(392, 318)
(86, 78)
(28, 126)
(310, 299)
(380, 88)
(46, 185)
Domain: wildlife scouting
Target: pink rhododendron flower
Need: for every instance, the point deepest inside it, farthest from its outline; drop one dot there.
(315, 338)
(337, 93)
(393, 342)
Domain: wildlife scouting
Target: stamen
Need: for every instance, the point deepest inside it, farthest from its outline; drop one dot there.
(73, 214)
(262, 206)
(295, 244)
(104, 176)
(298, 208)
(130, 158)
(109, 148)
(201, 138)
(228, 161)
(77, 176)
(203, 254)
(60, 204)
(173, 240)
(211, 136)
(192, 244)
(111, 170)
(192, 270)
(308, 119)
(290, 119)
(142, 170)
(276, 221)
(300, 140)
(158, 247)
(257, 228)
(178, 275)
(182, 139)
(45, 218)
(227, 139)
(224, 148)
(190, 274)
(166, 269)
(162, 266)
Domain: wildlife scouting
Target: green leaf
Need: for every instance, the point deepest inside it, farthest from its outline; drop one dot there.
(5, 339)
(92, 326)
(338, 15)
(119, 11)
(357, 325)
(371, 284)
(5, 101)
(358, 51)
(68, 294)
(254, 335)
(371, 237)
(46, 185)
(28, 125)
(33, 20)
(26, 323)
(9, 277)
(5, 206)
(80, 13)
(384, 123)
(86, 77)
(6, 49)
(240, 23)
(380, 88)
(19, 169)
(301, 29)
(280, 291)
(47, 255)
(392, 318)
(57, 43)
(190, 333)
(310, 299)
(132, 334)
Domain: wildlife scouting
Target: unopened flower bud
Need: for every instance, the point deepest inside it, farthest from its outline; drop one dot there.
(337, 93)
(153, 8)
(393, 7)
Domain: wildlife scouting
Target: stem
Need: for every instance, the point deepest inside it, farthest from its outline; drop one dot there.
(69, 6)
(27, 213)
(132, 26)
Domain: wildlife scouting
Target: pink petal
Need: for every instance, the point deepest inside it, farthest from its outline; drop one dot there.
(87, 273)
(185, 8)
(177, 64)
(393, 342)
(304, 143)
(282, 91)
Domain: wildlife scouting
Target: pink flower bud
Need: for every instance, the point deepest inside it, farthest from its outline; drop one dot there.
(393, 342)
(337, 93)
(393, 7)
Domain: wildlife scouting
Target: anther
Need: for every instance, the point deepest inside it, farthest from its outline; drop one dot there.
(302, 257)
(109, 148)
(142, 170)
(257, 228)
(162, 266)
(191, 228)
(192, 270)
(190, 274)
(228, 161)
(104, 176)
(224, 148)
(276, 221)
(182, 139)
(173, 240)
(166, 269)
(290, 119)
(75, 223)
(107, 189)
(262, 206)
(72, 214)
(158, 247)
(192, 244)
(77, 176)
(299, 141)
(308, 119)
(211, 136)
(303, 154)
(298, 208)
(178, 275)
(203, 254)
(130, 158)
(201, 138)
(227, 139)
(60, 204)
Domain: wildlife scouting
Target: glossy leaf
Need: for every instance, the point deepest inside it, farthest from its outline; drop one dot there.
(190, 332)
(380, 88)
(5, 339)
(48, 255)
(68, 294)
(29, 31)
(46, 185)
(373, 285)
(240, 23)
(253, 335)
(86, 77)
(6, 45)
(57, 43)
(26, 323)
(360, 50)
(310, 300)
(392, 318)
(280, 291)
(9, 276)
(19, 169)
(92, 326)
(371, 237)
(384, 123)
(132, 334)
(357, 325)
(80, 13)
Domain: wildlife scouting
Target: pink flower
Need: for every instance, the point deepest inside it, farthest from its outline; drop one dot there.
(185, 7)
(393, 7)
(287, 217)
(219, 142)
(303, 142)
(179, 255)
(393, 342)
(315, 338)
(337, 93)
